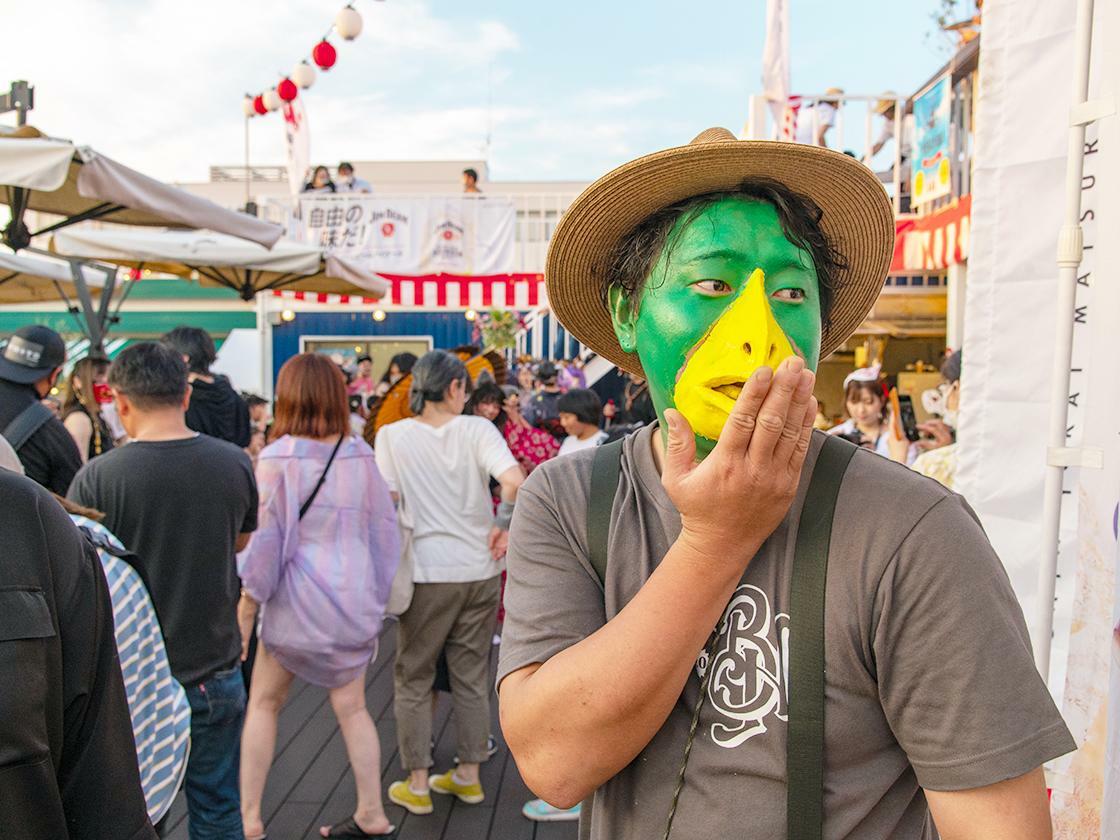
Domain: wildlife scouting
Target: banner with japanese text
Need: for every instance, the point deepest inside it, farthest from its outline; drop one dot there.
(412, 234)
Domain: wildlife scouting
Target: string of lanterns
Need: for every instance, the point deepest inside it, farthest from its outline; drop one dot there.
(348, 25)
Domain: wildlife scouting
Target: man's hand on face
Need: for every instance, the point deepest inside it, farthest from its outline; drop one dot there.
(737, 496)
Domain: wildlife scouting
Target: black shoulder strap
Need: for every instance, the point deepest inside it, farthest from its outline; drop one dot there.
(27, 423)
(605, 469)
(306, 506)
(805, 734)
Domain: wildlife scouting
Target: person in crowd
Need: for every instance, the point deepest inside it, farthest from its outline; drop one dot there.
(815, 120)
(362, 384)
(530, 446)
(438, 465)
(68, 766)
(526, 384)
(320, 182)
(318, 572)
(258, 411)
(541, 410)
(400, 366)
(868, 422)
(157, 704)
(636, 408)
(258, 440)
(30, 365)
(470, 181)
(185, 503)
(216, 409)
(349, 182)
(674, 644)
(86, 392)
(580, 415)
(938, 458)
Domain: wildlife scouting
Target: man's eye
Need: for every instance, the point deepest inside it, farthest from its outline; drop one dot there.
(713, 287)
(790, 294)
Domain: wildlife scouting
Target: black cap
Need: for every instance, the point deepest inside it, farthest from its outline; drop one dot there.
(546, 371)
(32, 353)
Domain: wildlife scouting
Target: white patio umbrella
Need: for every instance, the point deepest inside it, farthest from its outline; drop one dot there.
(218, 260)
(78, 184)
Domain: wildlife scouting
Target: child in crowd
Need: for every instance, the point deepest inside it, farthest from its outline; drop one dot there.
(580, 412)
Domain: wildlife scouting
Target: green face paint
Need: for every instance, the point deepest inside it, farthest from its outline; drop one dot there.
(704, 274)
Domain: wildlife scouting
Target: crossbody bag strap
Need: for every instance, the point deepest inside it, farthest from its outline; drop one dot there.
(306, 506)
(27, 423)
(606, 467)
(605, 470)
(805, 732)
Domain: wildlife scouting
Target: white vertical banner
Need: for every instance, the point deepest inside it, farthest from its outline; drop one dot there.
(775, 60)
(1022, 120)
(1086, 799)
(297, 143)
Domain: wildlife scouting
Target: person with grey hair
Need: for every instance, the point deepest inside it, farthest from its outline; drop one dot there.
(438, 465)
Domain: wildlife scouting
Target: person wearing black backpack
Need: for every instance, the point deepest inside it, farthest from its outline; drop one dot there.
(727, 624)
(29, 368)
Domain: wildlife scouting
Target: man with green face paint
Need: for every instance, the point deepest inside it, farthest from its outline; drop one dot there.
(660, 681)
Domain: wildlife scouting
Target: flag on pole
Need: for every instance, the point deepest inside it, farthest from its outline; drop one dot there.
(297, 137)
(775, 65)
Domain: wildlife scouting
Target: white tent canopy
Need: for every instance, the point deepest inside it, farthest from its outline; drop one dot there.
(215, 259)
(54, 176)
(25, 279)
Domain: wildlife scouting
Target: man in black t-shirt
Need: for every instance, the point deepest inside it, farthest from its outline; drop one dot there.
(185, 503)
(68, 764)
(29, 367)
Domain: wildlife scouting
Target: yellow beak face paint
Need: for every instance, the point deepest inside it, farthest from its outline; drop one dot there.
(745, 338)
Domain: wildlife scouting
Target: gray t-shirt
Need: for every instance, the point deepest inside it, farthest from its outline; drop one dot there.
(930, 680)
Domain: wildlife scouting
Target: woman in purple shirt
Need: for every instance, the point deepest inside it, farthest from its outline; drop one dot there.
(319, 567)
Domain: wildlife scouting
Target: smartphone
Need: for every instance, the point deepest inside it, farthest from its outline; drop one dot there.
(903, 407)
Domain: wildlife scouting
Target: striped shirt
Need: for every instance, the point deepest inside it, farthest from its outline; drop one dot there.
(161, 715)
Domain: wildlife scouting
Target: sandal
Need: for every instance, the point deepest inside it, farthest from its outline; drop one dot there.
(350, 829)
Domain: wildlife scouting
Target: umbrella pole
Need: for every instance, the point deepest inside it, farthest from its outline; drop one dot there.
(95, 328)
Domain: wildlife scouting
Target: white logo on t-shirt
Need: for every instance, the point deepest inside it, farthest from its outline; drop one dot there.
(751, 668)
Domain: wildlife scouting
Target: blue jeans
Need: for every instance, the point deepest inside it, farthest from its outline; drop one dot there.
(213, 798)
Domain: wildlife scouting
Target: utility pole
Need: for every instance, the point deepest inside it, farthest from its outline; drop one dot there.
(21, 99)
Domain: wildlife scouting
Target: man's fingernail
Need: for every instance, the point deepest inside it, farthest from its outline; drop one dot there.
(795, 364)
(763, 375)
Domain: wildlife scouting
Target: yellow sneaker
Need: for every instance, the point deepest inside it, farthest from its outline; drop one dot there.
(448, 784)
(401, 793)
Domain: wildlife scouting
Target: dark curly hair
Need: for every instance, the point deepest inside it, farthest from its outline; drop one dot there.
(632, 261)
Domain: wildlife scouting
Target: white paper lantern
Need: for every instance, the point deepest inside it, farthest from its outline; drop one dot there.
(348, 23)
(303, 74)
(272, 99)
(247, 106)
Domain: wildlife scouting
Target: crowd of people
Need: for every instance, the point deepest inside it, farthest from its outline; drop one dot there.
(320, 181)
(247, 543)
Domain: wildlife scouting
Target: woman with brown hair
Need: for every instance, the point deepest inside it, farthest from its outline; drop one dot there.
(86, 391)
(318, 570)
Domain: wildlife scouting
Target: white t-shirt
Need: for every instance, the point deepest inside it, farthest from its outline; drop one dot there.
(573, 444)
(443, 476)
(826, 114)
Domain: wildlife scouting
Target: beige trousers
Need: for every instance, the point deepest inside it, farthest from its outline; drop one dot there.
(458, 618)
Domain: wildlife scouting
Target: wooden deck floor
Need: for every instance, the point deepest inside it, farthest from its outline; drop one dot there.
(311, 785)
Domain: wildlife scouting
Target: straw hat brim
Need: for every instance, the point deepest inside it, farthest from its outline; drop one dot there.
(857, 218)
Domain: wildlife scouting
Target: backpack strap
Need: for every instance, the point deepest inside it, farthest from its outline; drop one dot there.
(805, 731)
(27, 423)
(605, 470)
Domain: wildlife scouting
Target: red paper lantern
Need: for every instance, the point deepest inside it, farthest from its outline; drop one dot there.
(259, 106)
(324, 55)
(287, 90)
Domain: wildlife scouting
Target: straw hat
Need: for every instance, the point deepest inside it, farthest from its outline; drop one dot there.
(857, 218)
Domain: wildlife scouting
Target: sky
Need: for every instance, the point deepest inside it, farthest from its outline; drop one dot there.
(564, 91)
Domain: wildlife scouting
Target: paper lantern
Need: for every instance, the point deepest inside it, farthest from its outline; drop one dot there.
(303, 74)
(324, 55)
(348, 23)
(272, 99)
(248, 107)
(259, 106)
(287, 90)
